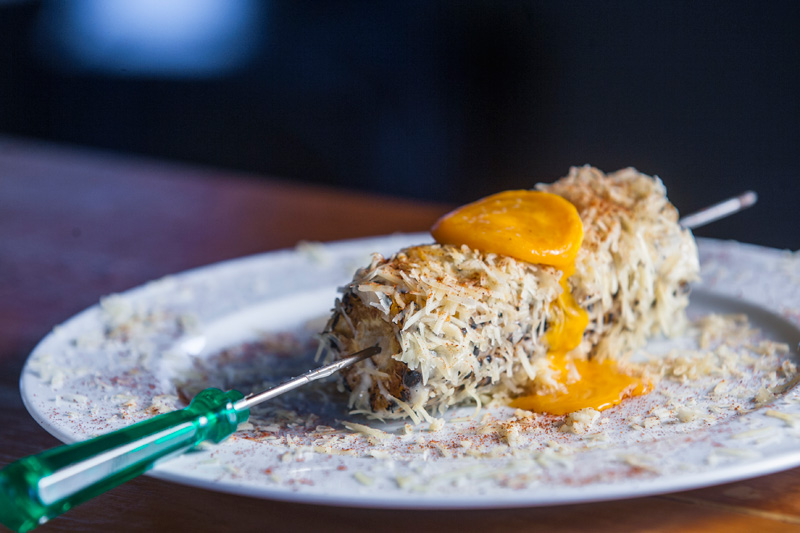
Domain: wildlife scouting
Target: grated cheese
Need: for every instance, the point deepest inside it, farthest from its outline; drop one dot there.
(788, 419)
(374, 436)
(580, 421)
(763, 397)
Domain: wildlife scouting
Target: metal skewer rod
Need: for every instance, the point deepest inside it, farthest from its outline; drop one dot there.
(719, 210)
(312, 375)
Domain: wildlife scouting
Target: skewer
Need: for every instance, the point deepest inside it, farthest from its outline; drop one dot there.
(256, 398)
(719, 210)
(39, 487)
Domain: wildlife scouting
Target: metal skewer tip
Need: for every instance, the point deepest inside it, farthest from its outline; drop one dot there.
(719, 210)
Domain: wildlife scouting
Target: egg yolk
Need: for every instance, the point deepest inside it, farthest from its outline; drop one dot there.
(545, 229)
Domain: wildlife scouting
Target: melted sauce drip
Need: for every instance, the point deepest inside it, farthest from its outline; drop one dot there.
(545, 229)
(599, 384)
(566, 334)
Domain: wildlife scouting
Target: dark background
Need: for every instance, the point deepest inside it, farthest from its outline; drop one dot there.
(439, 100)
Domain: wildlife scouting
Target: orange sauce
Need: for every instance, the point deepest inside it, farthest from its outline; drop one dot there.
(565, 334)
(545, 229)
(601, 384)
(532, 226)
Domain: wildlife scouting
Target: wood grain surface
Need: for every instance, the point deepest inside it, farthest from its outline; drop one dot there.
(76, 225)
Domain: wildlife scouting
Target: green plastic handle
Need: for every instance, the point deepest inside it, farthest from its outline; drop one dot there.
(37, 488)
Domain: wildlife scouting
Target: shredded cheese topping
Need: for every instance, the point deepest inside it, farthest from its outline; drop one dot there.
(459, 325)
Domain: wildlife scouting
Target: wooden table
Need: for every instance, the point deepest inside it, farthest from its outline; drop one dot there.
(76, 224)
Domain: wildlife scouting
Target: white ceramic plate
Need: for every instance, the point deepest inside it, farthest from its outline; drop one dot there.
(132, 355)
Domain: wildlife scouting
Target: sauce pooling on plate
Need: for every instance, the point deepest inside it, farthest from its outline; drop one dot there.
(545, 229)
